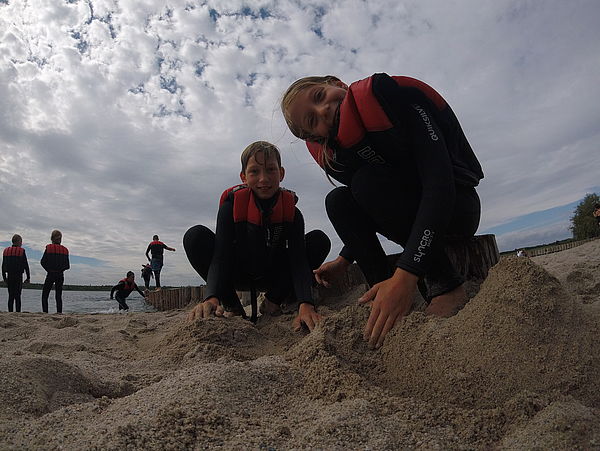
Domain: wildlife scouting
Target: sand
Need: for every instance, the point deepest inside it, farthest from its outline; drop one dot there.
(517, 368)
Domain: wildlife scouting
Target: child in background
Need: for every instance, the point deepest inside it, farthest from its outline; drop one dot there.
(147, 275)
(259, 241)
(55, 261)
(409, 174)
(14, 263)
(124, 289)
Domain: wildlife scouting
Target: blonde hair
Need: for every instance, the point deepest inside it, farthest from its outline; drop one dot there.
(56, 237)
(288, 98)
(16, 239)
(268, 150)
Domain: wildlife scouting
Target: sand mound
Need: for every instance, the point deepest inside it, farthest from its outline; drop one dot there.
(521, 332)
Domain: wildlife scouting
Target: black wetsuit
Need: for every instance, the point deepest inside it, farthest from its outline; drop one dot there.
(242, 255)
(14, 263)
(55, 261)
(410, 174)
(124, 289)
(147, 275)
(157, 250)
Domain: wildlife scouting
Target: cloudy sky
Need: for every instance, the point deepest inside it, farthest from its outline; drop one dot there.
(122, 119)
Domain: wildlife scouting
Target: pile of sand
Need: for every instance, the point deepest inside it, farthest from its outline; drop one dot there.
(516, 368)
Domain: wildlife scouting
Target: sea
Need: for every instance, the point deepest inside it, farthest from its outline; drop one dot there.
(76, 302)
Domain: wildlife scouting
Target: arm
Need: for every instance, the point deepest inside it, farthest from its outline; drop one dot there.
(302, 276)
(115, 288)
(26, 266)
(4, 269)
(172, 249)
(140, 291)
(44, 261)
(147, 252)
(67, 263)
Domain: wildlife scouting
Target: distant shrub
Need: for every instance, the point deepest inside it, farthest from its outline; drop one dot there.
(583, 223)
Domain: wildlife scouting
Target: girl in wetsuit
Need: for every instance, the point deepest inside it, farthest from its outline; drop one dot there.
(409, 174)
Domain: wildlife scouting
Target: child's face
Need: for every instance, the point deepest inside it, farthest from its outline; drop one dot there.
(261, 176)
(315, 110)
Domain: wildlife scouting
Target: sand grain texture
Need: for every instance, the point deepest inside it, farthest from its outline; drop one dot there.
(517, 368)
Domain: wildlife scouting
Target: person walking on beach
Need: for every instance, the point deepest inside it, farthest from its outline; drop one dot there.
(157, 248)
(55, 261)
(124, 289)
(14, 263)
(147, 275)
(409, 174)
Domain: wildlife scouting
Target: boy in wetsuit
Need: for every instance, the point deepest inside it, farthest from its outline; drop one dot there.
(146, 275)
(259, 241)
(157, 249)
(55, 261)
(14, 263)
(124, 289)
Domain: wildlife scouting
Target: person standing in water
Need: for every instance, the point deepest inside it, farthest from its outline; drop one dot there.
(55, 261)
(14, 263)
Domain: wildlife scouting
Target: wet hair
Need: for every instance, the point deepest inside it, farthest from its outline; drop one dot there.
(56, 237)
(268, 150)
(155, 237)
(596, 206)
(130, 273)
(16, 239)
(286, 100)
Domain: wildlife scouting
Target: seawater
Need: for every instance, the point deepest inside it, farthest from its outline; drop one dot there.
(76, 302)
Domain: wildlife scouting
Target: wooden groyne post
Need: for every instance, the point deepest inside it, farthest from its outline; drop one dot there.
(175, 298)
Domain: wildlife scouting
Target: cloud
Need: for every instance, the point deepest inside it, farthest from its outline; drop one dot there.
(124, 119)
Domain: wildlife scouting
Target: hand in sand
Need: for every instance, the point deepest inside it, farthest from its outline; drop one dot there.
(391, 300)
(206, 309)
(330, 271)
(306, 315)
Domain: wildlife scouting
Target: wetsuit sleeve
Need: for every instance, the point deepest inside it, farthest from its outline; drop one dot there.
(138, 290)
(67, 262)
(301, 273)
(118, 286)
(413, 112)
(4, 269)
(147, 251)
(44, 260)
(26, 265)
(220, 272)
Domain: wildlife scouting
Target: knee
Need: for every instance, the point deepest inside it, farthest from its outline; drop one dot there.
(338, 200)
(195, 235)
(319, 240)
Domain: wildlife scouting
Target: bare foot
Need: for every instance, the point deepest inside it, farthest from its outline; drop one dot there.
(269, 308)
(448, 304)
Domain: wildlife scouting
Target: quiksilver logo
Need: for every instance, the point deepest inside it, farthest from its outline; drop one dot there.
(366, 153)
(424, 244)
(427, 121)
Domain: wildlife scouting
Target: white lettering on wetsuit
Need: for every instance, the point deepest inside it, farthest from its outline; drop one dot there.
(425, 243)
(366, 153)
(427, 122)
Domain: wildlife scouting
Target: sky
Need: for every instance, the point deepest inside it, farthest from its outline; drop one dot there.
(124, 119)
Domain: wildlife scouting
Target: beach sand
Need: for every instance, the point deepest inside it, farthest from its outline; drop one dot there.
(517, 368)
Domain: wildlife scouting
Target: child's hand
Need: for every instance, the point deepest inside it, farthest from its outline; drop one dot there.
(330, 271)
(392, 300)
(205, 310)
(306, 315)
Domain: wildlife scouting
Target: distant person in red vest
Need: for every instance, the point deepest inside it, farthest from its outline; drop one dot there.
(14, 263)
(147, 275)
(259, 241)
(55, 261)
(157, 248)
(124, 289)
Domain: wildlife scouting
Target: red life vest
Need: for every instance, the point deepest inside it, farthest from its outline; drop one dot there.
(128, 287)
(152, 243)
(367, 133)
(13, 251)
(246, 210)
